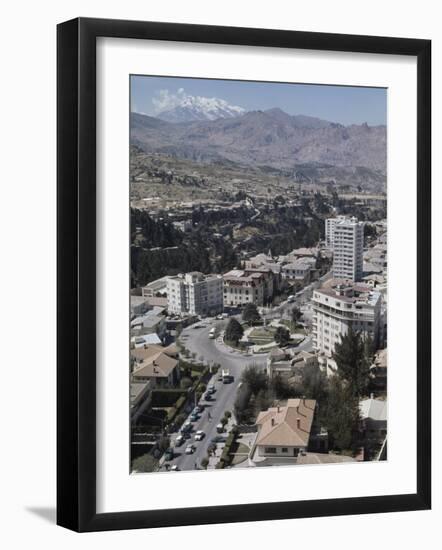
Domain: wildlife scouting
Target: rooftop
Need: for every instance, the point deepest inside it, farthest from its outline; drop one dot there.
(375, 409)
(159, 365)
(289, 425)
(350, 292)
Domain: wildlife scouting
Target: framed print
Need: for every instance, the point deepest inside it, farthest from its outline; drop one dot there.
(243, 274)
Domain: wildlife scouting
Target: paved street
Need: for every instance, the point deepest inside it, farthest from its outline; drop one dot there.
(197, 340)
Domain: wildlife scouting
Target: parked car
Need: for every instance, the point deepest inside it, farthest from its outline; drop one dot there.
(179, 440)
(194, 417)
(187, 427)
(220, 428)
(198, 409)
(190, 449)
(199, 435)
(208, 396)
(211, 388)
(174, 468)
(218, 439)
(168, 455)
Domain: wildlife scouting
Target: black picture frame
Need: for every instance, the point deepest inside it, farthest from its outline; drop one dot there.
(76, 274)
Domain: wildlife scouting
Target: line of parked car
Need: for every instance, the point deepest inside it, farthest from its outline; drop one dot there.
(185, 432)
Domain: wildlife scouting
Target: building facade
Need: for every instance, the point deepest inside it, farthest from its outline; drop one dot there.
(348, 249)
(195, 294)
(283, 432)
(329, 230)
(341, 305)
(248, 286)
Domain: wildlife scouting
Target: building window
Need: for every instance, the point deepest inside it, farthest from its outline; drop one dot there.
(270, 450)
(284, 450)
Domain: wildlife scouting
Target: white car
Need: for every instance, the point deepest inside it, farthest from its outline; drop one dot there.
(174, 468)
(199, 435)
(190, 449)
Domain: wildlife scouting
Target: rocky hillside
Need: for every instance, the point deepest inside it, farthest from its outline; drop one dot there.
(270, 138)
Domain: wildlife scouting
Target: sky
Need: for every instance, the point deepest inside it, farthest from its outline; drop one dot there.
(343, 104)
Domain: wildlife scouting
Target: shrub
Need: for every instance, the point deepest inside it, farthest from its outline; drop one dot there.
(180, 419)
(227, 414)
(171, 415)
(180, 403)
(144, 463)
(185, 382)
(165, 397)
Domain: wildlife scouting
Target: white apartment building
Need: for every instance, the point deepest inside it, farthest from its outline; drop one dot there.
(195, 294)
(247, 286)
(348, 249)
(329, 230)
(341, 305)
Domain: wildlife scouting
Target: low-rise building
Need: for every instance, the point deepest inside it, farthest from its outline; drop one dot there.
(156, 364)
(145, 340)
(152, 322)
(373, 413)
(288, 367)
(140, 398)
(339, 305)
(298, 270)
(184, 225)
(378, 370)
(195, 294)
(283, 432)
(155, 288)
(244, 286)
(138, 305)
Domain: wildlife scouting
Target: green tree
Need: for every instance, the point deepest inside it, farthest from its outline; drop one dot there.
(296, 316)
(281, 389)
(282, 336)
(340, 414)
(352, 362)
(254, 378)
(250, 313)
(234, 331)
(314, 384)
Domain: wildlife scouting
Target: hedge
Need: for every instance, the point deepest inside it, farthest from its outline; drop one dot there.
(225, 458)
(166, 397)
(176, 409)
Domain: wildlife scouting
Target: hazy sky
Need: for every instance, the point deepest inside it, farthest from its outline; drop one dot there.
(347, 105)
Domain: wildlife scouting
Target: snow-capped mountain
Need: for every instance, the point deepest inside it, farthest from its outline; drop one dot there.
(195, 108)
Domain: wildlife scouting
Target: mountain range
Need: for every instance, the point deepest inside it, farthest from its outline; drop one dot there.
(193, 108)
(267, 139)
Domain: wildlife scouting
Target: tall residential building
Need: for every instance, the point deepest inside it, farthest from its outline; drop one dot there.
(340, 305)
(330, 228)
(195, 294)
(348, 249)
